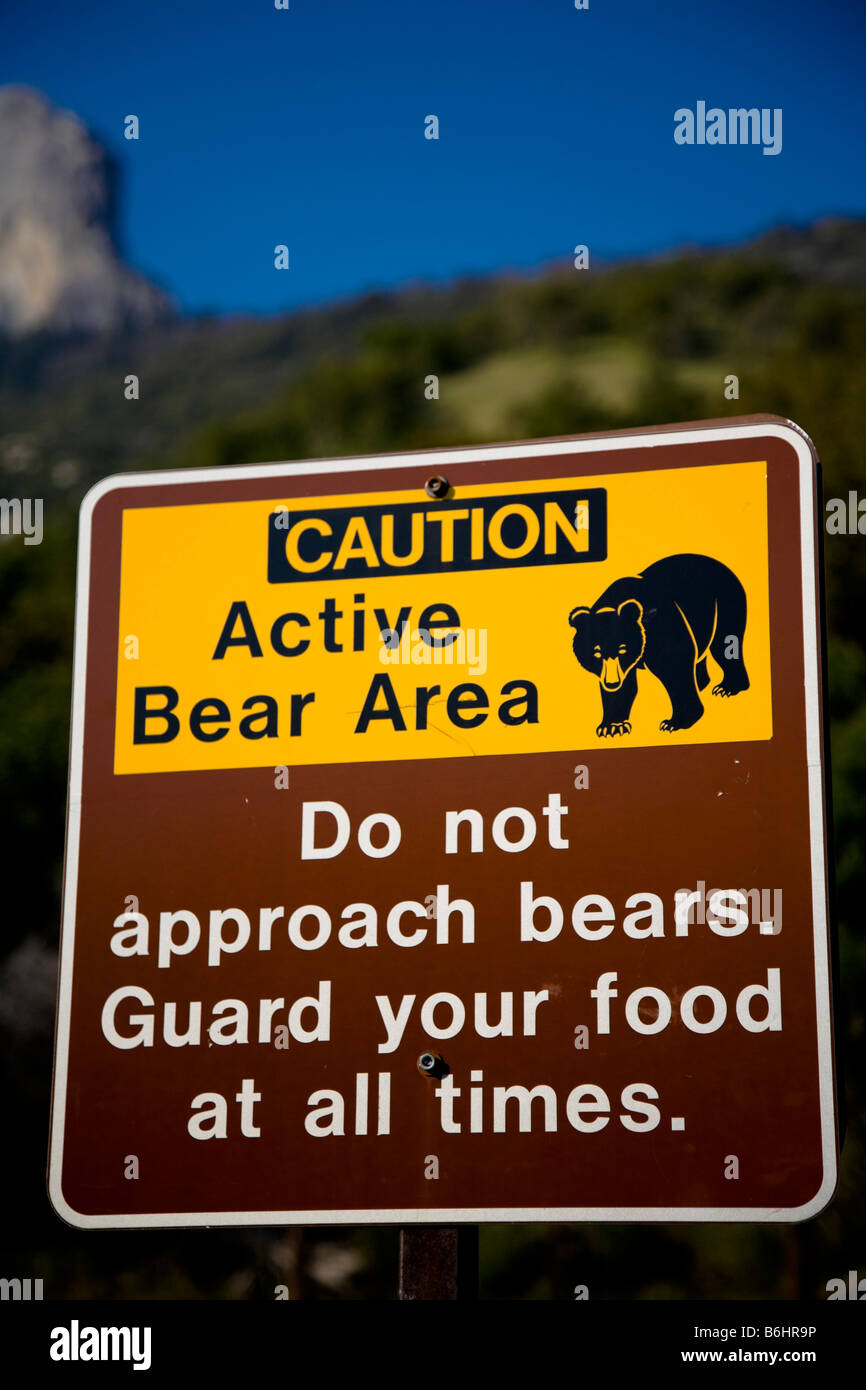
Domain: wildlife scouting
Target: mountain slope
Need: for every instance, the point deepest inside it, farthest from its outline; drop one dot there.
(59, 265)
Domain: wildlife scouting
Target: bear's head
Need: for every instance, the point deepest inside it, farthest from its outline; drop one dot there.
(609, 641)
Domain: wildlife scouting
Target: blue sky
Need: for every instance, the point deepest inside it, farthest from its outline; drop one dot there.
(306, 127)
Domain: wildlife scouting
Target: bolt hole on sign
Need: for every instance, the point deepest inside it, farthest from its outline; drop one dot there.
(447, 840)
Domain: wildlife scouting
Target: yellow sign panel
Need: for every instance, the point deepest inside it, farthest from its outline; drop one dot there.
(628, 609)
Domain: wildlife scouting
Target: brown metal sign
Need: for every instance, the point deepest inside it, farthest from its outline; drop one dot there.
(446, 840)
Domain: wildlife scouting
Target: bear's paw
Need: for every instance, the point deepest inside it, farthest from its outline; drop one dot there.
(610, 730)
(726, 691)
(672, 725)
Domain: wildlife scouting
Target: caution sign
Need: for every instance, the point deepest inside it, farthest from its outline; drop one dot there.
(447, 840)
(421, 629)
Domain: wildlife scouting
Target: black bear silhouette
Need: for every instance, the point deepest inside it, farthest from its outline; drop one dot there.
(665, 619)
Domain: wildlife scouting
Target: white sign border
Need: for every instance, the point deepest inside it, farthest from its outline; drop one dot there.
(441, 459)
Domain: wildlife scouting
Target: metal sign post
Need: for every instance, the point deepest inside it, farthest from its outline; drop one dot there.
(439, 1262)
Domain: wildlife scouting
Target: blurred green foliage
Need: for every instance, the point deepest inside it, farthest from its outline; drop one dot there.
(562, 353)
